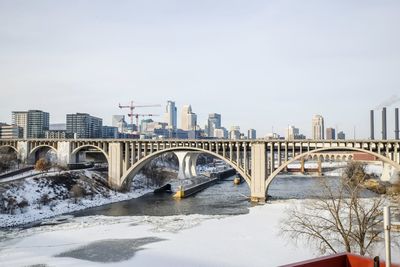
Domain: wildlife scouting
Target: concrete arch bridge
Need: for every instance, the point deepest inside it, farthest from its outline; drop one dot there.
(257, 161)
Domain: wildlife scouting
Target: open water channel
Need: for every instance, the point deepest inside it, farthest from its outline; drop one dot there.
(223, 198)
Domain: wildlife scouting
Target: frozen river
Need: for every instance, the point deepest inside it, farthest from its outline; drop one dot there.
(156, 230)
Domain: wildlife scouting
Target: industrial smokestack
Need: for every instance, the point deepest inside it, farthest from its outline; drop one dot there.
(372, 125)
(396, 123)
(384, 128)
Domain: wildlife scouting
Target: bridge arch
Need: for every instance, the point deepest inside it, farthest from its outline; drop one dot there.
(135, 168)
(36, 148)
(284, 165)
(10, 146)
(76, 150)
(32, 154)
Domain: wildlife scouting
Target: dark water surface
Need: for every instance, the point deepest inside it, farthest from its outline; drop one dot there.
(223, 198)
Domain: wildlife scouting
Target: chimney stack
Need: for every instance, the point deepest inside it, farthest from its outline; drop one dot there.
(384, 128)
(396, 123)
(372, 125)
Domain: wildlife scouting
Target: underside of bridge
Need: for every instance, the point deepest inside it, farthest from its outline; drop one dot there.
(42, 152)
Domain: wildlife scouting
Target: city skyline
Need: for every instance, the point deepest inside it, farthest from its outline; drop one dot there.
(180, 111)
(227, 57)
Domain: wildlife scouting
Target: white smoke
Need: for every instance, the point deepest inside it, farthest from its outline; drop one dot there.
(388, 102)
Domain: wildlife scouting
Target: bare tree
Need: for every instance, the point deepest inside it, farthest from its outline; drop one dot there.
(42, 165)
(340, 220)
(8, 158)
(77, 192)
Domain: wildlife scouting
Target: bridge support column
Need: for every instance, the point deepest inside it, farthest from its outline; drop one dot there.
(193, 162)
(23, 151)
(115, 170)
(187, 164)
(319, 167)
(258, 172)
(182, 164)
(64, 153)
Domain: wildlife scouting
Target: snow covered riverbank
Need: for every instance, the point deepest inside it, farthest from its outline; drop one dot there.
(32, 191)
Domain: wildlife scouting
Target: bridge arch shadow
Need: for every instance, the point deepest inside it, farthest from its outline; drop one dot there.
(9, 146)
(308, 154)
(34, 153)
(135, 168)
(75, 152)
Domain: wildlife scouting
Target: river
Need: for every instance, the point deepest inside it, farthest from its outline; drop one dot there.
(223, 198)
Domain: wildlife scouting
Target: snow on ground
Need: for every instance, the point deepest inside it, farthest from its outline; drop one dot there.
(244, 240)
(23, 175)
(32, 190)
(253, 239)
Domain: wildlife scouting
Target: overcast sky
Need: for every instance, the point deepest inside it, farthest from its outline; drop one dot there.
(261, 64)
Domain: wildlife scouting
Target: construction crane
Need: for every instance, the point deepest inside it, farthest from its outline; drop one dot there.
(131, 107)
(136, 115)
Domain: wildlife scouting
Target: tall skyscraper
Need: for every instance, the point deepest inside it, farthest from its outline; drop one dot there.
(189, 119)
(252, 134)
(330, 134)
(318, 127)
(214, 122)
(171, 115)
(82, 125)
(33, 122)
(292, 133)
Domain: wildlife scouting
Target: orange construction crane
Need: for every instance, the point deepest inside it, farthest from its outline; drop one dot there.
(132, 107)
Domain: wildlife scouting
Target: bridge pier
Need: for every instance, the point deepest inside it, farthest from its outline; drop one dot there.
(258, 173)
(64, 153)
(23, 151)
(187, 164)
(115, 169)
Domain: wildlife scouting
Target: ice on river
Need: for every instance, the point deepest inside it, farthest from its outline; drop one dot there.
(193, 240)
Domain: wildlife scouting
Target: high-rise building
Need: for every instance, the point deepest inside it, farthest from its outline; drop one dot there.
(109, 132)
(341, 135)
(82, 125)
(318, 127)
(38, 123)
(330, 134)
(171, 115)
(251, 134)
(234, 133)
(221, 133)
(214, 122)
(33, 122)
(20, 118)
(188, 118)
(10, 131)
(119, 122)
(292, 133)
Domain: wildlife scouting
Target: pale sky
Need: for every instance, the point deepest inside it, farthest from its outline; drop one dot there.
(261, 64)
